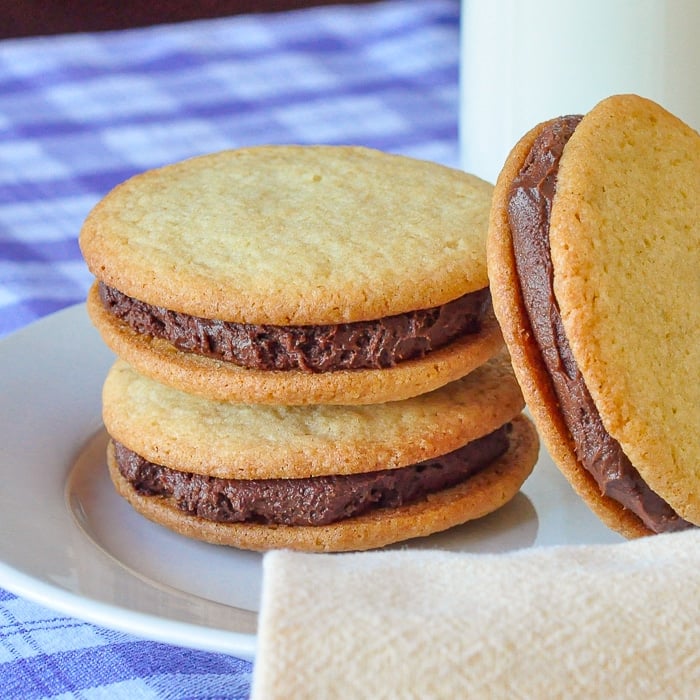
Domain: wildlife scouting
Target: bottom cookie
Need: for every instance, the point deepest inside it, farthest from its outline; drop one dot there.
(483, 493)
(226, 381)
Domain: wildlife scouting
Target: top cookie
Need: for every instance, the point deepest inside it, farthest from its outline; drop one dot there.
(625, 248)
(229, 440)
(293, 235)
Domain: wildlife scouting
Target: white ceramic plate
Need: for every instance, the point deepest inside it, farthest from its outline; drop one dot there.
(69, 542)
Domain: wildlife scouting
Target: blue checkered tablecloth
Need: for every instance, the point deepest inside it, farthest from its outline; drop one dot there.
(80, 113)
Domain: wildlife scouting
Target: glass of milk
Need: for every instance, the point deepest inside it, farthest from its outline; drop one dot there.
(525, 61)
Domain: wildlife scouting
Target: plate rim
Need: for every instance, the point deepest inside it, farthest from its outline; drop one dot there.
(123, 619)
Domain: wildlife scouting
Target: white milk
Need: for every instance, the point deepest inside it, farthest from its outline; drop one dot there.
(525, 61)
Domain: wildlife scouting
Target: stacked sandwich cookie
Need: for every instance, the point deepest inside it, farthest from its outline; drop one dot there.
(308, 356)
(594, 260)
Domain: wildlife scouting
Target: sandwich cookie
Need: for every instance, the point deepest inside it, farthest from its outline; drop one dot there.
(295, 275)
(318, 478)
(594, 263)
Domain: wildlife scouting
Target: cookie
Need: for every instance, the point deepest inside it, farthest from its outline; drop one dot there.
(322, 478)
(480, 495)
(593, 258)
(291, 274)
(227, 381)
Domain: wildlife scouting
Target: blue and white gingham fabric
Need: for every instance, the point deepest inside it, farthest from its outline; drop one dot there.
(81, 113)
(44, 655)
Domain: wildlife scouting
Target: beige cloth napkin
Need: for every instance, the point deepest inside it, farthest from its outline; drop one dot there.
(598, 621)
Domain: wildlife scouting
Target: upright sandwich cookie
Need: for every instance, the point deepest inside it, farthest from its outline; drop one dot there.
(594, 262)
(293, 275)
(318, 478)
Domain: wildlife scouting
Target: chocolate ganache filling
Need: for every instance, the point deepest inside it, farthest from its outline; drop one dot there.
(599, 453)
(375, 344)
(317, 500)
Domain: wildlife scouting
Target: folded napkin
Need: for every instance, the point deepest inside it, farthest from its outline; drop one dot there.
(607, 621)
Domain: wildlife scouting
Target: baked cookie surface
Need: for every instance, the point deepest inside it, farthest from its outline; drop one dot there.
(226, 440)
(292, 235)
(625, 257)
(625, 245)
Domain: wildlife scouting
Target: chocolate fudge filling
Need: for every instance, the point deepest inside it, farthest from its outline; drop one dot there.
(317, 500)
(529, 211)
(376, 344)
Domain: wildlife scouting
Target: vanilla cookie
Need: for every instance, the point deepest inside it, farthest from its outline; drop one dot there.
(291, 274)
(183, 459)
(226, 381)
(594, 260)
